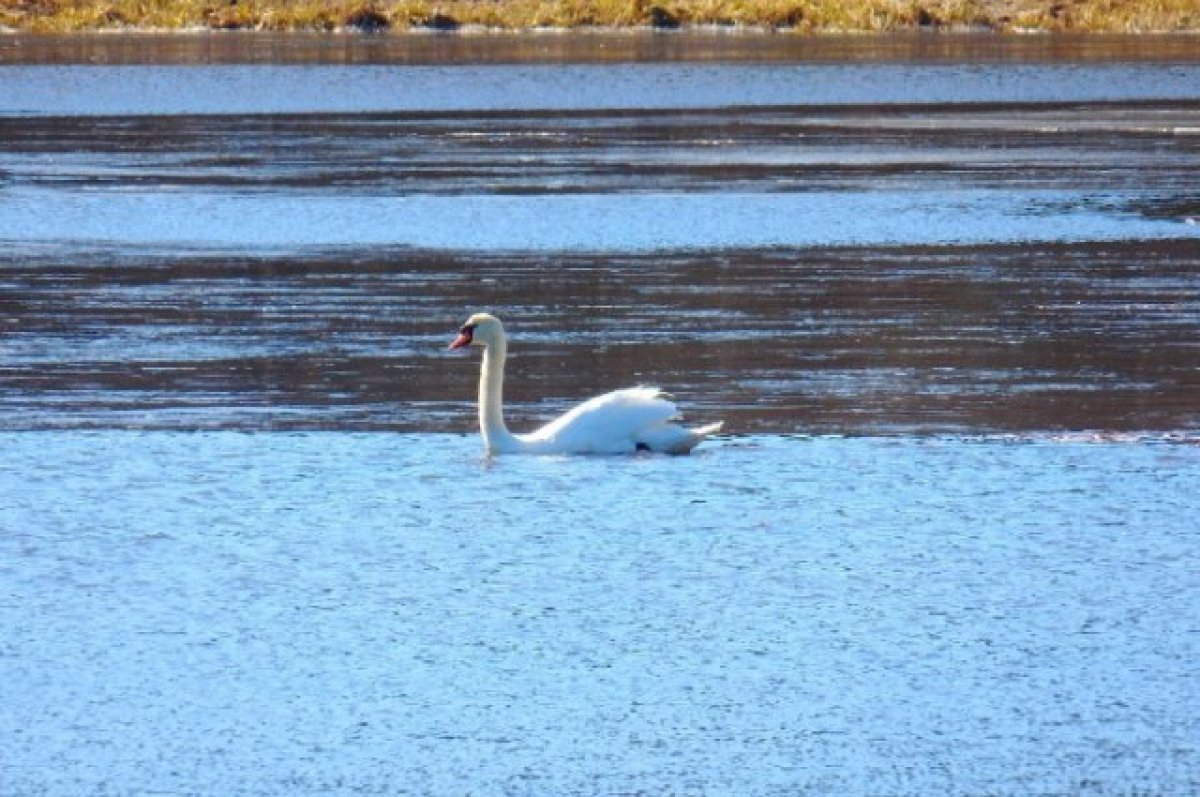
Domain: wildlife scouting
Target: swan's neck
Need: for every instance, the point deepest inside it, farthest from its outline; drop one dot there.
(496, 437)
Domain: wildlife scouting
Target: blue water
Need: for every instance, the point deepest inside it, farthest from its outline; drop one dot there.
(121, 90)
(360, 613)
(598, 222)
(565, 157)
(900, 250)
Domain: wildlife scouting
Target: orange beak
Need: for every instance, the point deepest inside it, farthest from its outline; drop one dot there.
(463, 339)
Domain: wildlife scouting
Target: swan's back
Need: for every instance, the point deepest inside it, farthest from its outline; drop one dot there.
(619, 422)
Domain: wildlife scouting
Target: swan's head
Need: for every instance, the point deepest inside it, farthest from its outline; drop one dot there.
(481, 329)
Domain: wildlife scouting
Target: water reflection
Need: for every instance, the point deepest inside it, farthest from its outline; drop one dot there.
(1062, 336)
(589, 46)
(792, 247)
(607, 180)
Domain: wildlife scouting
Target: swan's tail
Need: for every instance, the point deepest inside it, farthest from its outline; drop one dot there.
(701, 432)
(668, 438)
(696, 436)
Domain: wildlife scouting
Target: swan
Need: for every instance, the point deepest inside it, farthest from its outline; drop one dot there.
(620, 422)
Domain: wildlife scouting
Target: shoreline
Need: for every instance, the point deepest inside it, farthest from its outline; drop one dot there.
(708, 44)
(700, 28)
(788, 17)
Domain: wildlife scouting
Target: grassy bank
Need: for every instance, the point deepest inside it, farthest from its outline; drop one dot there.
(805, 16)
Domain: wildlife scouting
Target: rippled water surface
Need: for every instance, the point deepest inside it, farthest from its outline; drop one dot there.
(360, 613)
(945, 293)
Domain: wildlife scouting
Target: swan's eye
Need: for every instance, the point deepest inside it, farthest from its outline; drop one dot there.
(468, 330)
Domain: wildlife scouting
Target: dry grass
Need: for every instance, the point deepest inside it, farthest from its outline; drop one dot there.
(59, 16)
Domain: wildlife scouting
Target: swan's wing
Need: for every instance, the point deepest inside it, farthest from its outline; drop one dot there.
(607, 424)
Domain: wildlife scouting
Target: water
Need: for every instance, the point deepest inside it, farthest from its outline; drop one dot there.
(945, 293)
(122, 90)
(358, 613)
(1009, 338)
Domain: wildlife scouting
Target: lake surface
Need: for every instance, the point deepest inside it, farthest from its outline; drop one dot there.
(348, 613)
(944, 291)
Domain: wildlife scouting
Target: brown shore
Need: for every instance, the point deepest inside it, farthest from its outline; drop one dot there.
(595, 46)
(793, 16)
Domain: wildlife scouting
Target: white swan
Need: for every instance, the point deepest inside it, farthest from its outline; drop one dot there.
(620, 422)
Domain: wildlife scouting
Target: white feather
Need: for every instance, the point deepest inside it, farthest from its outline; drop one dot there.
(620, 422)
(614, 423)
